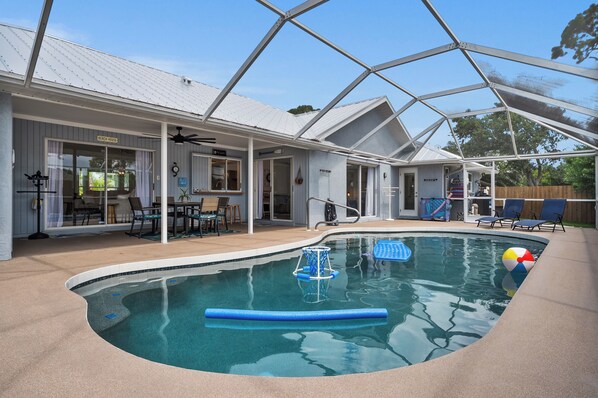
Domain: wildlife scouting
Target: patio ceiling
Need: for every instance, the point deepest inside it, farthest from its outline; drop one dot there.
(498, 81)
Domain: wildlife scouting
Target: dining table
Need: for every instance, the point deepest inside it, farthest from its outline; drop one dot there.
(178, 207)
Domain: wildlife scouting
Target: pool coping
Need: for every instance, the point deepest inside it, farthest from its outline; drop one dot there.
(544, 344)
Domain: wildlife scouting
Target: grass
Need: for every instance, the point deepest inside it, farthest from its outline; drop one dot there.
(578, 224)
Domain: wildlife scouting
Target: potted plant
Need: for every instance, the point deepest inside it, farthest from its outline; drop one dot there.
(184, 196)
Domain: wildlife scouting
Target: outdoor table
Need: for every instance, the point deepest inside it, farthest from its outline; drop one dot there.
(175, 208)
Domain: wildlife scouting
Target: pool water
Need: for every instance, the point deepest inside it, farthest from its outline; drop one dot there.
(447, 296)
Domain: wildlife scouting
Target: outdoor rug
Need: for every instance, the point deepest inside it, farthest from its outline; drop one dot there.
(182, 235)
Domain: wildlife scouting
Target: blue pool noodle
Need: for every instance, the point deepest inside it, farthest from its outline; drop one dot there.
(301, 275)
(251, 315)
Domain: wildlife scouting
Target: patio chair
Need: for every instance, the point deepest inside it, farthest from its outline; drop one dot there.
(140, 213)
(511, 211)
(85, 208)
(552, 213)
(206, 214)
(222, 205)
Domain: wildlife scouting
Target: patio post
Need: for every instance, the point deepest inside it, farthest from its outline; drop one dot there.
(250, 186)
(164, 182)
(492, 189)
(6, 182)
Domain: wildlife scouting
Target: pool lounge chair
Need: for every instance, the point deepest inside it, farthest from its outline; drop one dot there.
(511, 211)
(552, 213)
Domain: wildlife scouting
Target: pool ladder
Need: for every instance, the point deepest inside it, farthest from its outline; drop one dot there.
(333, 222)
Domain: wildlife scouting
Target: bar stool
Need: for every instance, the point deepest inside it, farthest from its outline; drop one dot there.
(234, 213)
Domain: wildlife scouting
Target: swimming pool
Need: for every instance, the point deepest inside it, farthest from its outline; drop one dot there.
(447, 296)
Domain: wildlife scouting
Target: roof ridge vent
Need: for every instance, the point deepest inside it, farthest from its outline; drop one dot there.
(186, 80)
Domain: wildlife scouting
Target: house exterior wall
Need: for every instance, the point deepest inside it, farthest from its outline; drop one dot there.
(29, 143)
(430, 181)
(6, 179)
(354, 131)
(328, 180)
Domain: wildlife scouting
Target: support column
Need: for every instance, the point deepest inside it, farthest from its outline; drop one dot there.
(493, 189)
(6, 176)
(596, 188)
(250, 186)
(164, 182)
(465, 194)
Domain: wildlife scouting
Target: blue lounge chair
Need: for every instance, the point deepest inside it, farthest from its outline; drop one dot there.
(552, 213)
(511, 211)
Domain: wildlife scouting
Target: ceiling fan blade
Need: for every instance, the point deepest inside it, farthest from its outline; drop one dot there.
(203, 139)
(194, 143)
(191, 135)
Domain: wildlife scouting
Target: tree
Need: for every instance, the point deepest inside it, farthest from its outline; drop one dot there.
(490, 136)
(580, 35)
(580, 172)
(302, 109)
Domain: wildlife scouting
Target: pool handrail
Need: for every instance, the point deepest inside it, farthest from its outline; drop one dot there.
(335, 221)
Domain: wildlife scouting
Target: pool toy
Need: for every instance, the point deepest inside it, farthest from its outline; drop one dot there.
(393, 250)
(254, 315)
(436, 209)
(318, 264)
(512, 281)
(518, 259)
(347, 324)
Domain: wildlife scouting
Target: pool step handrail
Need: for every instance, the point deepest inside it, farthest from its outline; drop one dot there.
(333, 222)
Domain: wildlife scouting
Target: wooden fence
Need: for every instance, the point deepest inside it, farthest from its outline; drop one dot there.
(581, 212)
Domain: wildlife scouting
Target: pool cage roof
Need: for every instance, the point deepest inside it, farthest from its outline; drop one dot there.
(555, 97)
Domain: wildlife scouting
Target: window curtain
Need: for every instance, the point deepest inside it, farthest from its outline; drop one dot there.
(143, 174)
(260, 189)
(55, 201)
(369, 193)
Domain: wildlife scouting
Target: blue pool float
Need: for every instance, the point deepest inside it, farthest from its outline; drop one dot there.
(253, 315)
(391, 250)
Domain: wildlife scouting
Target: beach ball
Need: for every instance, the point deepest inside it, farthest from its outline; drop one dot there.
(512, 281)
(518, 259)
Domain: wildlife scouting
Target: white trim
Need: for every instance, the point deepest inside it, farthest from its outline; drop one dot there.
(402, 212)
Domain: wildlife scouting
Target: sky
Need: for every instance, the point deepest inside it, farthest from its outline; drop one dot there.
(208, 40)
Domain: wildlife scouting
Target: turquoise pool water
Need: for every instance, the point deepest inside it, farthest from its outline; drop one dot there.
(447, 296)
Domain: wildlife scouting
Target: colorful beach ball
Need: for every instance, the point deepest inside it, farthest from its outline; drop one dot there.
(518, 259)
(512, 281)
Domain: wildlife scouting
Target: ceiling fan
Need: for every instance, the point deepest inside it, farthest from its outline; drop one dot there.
(180, 139)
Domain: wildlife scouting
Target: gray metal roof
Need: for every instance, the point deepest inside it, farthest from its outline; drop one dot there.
(73, 65)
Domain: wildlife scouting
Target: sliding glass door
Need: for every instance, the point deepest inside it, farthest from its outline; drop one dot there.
(93, 183)
(361, 189)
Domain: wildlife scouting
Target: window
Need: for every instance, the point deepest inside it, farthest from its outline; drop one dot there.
(225, 174)
(211, 173)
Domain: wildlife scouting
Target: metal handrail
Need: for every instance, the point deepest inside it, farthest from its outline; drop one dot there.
(335, 221)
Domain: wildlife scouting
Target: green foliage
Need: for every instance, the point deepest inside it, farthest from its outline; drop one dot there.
(184, 196)
(489, 136)
(580, 35)
(580, 172)
(302, 109)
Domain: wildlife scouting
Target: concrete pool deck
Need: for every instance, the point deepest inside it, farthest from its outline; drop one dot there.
(545, 344)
